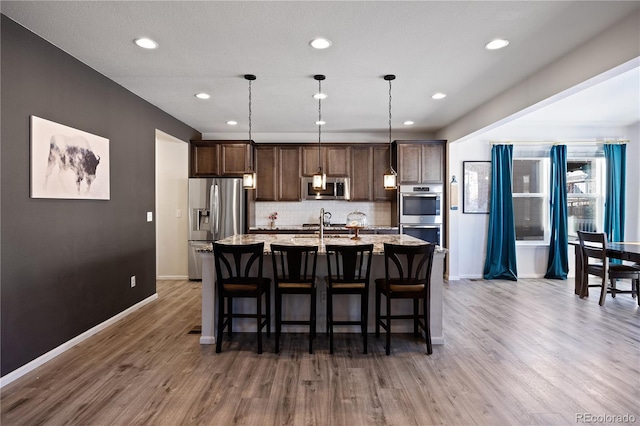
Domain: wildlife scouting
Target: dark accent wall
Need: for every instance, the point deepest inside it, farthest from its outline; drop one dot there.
(66, 264)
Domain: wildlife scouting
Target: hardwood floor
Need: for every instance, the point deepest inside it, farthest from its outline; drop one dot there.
(526, 352)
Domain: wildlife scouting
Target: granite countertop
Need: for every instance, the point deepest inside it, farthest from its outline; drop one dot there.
(378, 241)
(315, 228)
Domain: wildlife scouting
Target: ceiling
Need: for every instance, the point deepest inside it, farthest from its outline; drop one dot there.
(430, 46)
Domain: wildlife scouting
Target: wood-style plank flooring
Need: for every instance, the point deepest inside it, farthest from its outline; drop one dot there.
(526, 352)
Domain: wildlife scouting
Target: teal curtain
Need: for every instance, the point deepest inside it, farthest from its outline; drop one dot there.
(614, 203)
(500, 262)
(558, 261)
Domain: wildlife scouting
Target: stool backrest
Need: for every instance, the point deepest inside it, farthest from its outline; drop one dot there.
(293, 264)
(349, 264)
(238, 264)
(408, 264)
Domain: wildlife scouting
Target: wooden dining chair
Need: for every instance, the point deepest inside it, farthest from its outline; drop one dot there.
(294, 272)
(239, 275)
(407, 276)
(593, 247)
(349, 269)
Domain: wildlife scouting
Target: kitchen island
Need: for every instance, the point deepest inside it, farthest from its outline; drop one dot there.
(297, 306)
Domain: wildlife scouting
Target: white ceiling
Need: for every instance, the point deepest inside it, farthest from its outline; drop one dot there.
(431, 46)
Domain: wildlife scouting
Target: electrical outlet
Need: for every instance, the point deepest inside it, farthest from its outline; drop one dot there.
(133, 281)
(323, 297)
(149, 216)
(178, 213)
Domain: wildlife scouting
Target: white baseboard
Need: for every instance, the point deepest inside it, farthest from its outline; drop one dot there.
(471, 276)
(452, 278)
(172, 277)
(19, 372)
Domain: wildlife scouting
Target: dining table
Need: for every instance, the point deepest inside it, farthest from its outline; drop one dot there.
(624, 250)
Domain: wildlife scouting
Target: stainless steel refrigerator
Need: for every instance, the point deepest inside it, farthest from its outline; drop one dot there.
(216, 211)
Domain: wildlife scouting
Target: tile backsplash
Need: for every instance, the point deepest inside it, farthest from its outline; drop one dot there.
(301, 212)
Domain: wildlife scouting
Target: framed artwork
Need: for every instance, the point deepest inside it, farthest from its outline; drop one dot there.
(476, 191)
(68, 163)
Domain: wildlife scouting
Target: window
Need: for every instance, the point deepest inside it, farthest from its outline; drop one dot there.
(585, 191)
(585, 195)
(531, 199)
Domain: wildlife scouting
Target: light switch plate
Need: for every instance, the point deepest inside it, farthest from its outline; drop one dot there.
(149, 216)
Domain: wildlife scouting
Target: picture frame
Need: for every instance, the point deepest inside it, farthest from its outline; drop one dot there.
(68, 163)
(476, 192)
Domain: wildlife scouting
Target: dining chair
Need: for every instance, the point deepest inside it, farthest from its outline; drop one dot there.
(349, 269)
(407, 276)
(593, 246)
(239, 275)
(294, 272)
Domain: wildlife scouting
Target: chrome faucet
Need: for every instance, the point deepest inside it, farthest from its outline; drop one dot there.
(322, 223)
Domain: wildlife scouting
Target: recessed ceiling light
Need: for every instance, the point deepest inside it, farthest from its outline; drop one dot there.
(232, 123)
(320, 96)
(408, 123)
(146, 43)
(496, 44)
(438, 95)
(320, 123)
(320, 43)
(203, 95)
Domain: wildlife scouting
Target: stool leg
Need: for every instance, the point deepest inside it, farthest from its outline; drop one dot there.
(229, 315)
(220, 323)
(388, 350)
(330, 319)
(377, 319)
(278, 318)
(364, 314)
(427, 325)
(312, 320)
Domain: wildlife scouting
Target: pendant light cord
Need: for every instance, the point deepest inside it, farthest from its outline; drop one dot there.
(249, 111)
(390, 162)
(319, 120)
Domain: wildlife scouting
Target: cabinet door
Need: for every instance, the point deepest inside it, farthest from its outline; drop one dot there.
(234, 158)
(361, 173)
(380, 166)
(204, 159)
(432, 161)
(289, 173)
(409, 163)
(337, 161)
(310, 160)
(266, 173)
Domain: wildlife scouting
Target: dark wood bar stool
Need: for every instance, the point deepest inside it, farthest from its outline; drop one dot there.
(349, 269)
(594, 246)
(294, 272)
(239, 275)
(407, 276)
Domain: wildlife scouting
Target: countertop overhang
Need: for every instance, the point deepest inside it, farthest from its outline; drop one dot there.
(378, 241)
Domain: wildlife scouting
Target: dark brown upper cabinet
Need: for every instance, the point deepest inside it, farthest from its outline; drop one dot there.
(220, 158)
(368, 164)
(278, 173)
(420, 161)
(335, 159)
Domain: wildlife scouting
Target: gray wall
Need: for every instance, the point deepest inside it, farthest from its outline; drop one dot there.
(66, 264)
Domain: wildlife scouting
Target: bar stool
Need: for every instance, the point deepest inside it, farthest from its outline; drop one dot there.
(597, 249)
(294, 272)
(349, 270)
(407, 276)
(239, 275)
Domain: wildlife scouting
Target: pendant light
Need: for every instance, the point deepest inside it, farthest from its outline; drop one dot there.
(390, 176)
(319, 178)
(249, 178)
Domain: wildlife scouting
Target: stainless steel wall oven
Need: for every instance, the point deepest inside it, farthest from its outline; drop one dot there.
(421, 211)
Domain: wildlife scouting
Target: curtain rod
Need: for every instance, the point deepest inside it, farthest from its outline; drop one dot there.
(592, 142)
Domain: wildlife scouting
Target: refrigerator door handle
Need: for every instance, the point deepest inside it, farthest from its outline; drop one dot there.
(215, 208)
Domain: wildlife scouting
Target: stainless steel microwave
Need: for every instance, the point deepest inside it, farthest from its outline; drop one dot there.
(337, 189)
